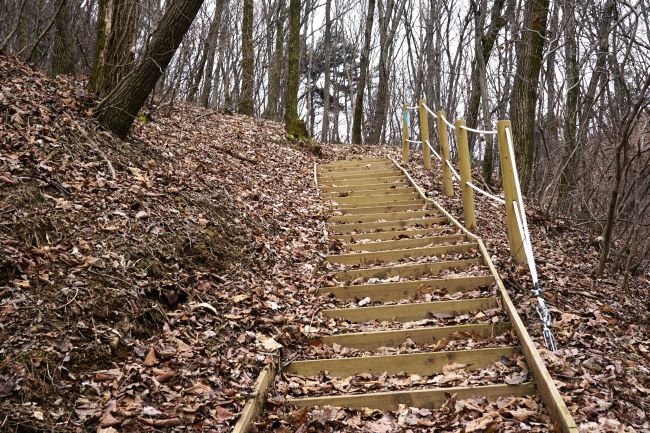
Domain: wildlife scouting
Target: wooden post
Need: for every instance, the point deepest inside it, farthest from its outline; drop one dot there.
(424, 134)
(510, 192)
(465, 165)
(405, 135)
(443, 141)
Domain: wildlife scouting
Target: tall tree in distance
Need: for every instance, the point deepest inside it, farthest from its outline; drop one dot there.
(293, 124)
(209, 47)
(63, 58)
(275, 69)
(204, 99)
(357, 118)
(525, 87)
(246, 105)
(118, 110)
(326, 86)
(389, 16)
(115, 47)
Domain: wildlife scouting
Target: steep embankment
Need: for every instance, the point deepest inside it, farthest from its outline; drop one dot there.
(141, 281)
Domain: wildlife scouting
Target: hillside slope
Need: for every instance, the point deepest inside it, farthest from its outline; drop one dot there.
(140, 279)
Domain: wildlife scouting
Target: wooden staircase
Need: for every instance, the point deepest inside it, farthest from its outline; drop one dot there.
(396, 246)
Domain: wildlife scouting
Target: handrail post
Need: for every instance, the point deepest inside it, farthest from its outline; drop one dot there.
(405, 135)
(443, 141)
(424, 134)
(507, 160)
(465, 165)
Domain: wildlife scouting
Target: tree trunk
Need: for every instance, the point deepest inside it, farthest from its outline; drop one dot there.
(246, 105)
(388, 28)
(484, 44)
(115, 46)
(326, 86)
(292, 122)
(357, 119)
(275, 72)
(63, 59)
(211, 48)
(525, 88)
(208, 49)
(572, 94)
(573, 135)
(118, 110)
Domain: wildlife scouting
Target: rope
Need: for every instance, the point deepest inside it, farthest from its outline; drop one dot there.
(478, 131)
(485, 193)
(453, 171)
(522, 225)
(414, 141)
(429, 110)
(415, 107)
(447, 122)
(434, 151)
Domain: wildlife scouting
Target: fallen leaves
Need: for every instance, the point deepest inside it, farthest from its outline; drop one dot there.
(144, 268)
(268, 343)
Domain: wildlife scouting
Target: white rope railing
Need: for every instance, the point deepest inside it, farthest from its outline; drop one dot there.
(518, 210)
(485, 193)
(478, 131)
(522, 225)
(453, 171)
(434, 151)
(442, 116)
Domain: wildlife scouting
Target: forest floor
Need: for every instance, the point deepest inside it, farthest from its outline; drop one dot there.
(145, 283)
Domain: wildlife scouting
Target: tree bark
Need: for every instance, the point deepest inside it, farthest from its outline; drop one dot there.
(357, 118)
(118, 110)
(484, 45)
(292, 122)
(388, 28)
(115, 46)
(326, 86)
(525, 88)
(63, 61)
(211, 48)
(572, 94)
(275, 73)
(246, 105)
(208, 45)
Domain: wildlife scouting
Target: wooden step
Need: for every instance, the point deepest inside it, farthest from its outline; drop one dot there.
(374, 199)
(389, 234)
(373, 257)
(384, 225)
(401, 244)
(411, 312)
(432, 398)
(361, 174)
(416, 270)
(427, 335)
(408, 289)
(414, 201)
(347, 162)
(353, 182)
(424, 364)
(366, 192)
(391, 216)
(413, 205)
(355, 168)
(373, 186)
